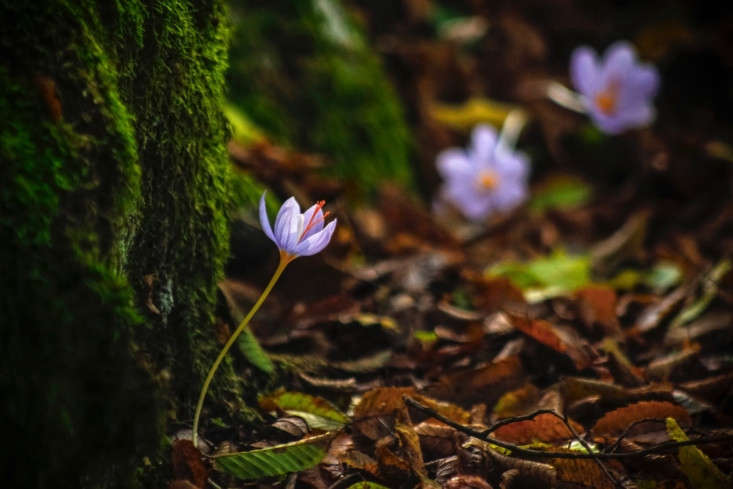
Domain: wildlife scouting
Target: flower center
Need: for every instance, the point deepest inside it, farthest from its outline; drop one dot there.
(607, 99)
(313, 221)
(487, 180)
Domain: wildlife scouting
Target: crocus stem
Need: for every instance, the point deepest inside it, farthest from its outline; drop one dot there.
(565, 97)
(513, 125)
(284, 260)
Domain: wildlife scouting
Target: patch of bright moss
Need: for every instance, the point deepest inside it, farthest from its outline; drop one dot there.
(304, 74)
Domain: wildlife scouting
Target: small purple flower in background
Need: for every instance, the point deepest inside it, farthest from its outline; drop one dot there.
(297, 234)
(487, 178)
(617, 91)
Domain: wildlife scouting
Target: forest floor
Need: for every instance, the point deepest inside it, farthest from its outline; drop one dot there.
(577, 342)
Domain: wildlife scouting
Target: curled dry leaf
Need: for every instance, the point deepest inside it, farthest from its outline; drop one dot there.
(509, 478)
(383, 401)
(584, 472)
(437, 439)
(446, 468)
(187, 463)
(616, 421)
(576, 388)
(597, 305)
(342, 450)
(531, 474)
(391, 465)
(467, 481)
(543, 427)
(481, 382)
(410, 442)
(559, 339)
(517, 401)
(293, 425)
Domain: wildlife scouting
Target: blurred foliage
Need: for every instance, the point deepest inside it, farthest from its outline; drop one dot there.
(699, 469)
(659, 278)
(304, 75)
(560, 192)
(474, 111)
(546, 276)
(244, 131)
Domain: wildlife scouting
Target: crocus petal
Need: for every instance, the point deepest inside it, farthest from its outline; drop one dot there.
(265, 220)
(317, 241)
(511, 164)
(463, 195)
(317, 223)
(584, 70)
(638, 116)
(618, 60)
(483, 142)
(641, 83)
(465, 187)
(477, 208)
(453, 163)
(610, 124)
(294, 232)
(282, 224)
(288, 205)
(509, 195)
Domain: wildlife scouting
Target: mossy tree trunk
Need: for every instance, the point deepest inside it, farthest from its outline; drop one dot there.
(304, 73)
(113, 230)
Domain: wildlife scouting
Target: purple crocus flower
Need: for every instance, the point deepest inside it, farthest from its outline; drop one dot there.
(297, 234)
(486, 178)
(617, 91)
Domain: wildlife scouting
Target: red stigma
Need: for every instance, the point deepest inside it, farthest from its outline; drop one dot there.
(312, 221)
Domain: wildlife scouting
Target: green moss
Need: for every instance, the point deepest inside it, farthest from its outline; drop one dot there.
(183, 238)
(71, 383)
(303, 73)
(114, 173)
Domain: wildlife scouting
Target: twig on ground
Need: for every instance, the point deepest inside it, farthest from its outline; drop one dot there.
(626, 431)
(530, 453)
(564, 419)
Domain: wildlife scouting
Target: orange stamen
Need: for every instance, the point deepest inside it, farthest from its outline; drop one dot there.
(312, 221)
(606, 100)
(487, 180)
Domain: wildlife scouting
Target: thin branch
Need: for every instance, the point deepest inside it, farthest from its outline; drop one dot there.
(588, 449)
(529, 453)
(514, 419)
(626, 431)
(564, 419)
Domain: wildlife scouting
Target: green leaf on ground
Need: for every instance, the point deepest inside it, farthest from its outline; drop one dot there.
(549, 276)
(252, 351)
(275, 460)
(709, 292)
(317, 412)
(699, 469)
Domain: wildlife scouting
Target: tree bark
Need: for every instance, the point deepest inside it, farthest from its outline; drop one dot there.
(113, 231)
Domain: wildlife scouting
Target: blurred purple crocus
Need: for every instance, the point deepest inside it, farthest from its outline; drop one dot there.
(489, 177)
(617, 90)
(297, 234)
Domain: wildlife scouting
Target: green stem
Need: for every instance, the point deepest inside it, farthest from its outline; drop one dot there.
(284, 260)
